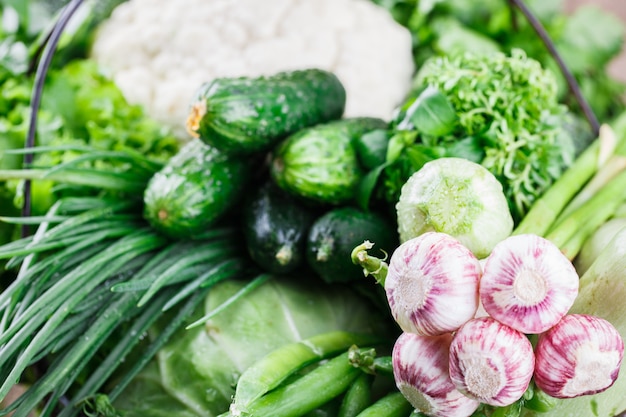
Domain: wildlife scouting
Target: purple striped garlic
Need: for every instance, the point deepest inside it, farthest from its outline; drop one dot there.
(420, 369)
(580, 355)
(491, 362)
(432, 284)
(528, 284)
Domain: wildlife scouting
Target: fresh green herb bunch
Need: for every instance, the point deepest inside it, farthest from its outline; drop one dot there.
(489, 92)
(507, 111)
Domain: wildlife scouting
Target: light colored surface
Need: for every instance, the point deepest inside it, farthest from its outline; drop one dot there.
(617, 7)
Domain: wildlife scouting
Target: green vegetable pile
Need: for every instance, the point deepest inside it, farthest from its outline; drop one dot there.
(217, 277)
(82, 106)
(501, 111)
(587, 40)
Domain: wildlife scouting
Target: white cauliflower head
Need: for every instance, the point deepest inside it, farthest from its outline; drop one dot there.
(160, 51)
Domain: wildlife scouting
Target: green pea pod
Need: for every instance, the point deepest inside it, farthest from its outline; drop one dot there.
(391, 405)
(305, 394)
(274, 368)
(358, 397)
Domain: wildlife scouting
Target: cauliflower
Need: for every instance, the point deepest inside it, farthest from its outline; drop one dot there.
(160, 51)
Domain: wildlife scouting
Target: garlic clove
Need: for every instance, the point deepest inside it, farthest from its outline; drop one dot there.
(581, 355)
(528, 284)
(491, 362)
(432, 284)
(420, 368)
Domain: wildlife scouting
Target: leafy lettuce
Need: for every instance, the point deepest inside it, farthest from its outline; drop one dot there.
(80, 105)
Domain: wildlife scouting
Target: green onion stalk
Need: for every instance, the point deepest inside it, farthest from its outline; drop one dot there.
(589, 193)
(92, 280)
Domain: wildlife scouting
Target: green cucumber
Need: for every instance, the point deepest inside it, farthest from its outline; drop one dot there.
(320, 163)
(275, 229)
(194, 189)
(246, 115)
(334, 235)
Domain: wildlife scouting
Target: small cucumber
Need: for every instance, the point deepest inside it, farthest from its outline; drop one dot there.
(246, 115)
(320, 163)
(334, 235)
(194, 189)
(275, 229)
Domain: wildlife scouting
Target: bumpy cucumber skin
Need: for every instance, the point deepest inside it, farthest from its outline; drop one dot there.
(334, 235)
(275, 229)
(320, 163)
(246, 115)
(194, 189)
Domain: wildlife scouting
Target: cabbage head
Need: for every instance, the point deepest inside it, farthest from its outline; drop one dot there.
(196, 372)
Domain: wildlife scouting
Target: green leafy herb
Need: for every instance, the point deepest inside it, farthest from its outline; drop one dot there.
(432, 114)
(506, 115)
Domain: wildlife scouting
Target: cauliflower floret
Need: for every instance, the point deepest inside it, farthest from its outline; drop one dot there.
(159, 52)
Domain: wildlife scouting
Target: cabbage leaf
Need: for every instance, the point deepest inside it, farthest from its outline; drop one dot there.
(196, 372)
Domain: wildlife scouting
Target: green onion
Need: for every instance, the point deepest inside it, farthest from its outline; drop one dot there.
(218, 273)
(200, 253)
(48, 312)
(593, 213)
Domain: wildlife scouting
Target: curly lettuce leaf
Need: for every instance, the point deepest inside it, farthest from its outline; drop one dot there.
(94, 110)
(80, 106)
(196, 372)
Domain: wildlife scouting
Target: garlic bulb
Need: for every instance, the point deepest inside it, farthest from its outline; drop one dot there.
(528, 284)
(420, 368)
(491, 362)
(581, 355)
(432, 284)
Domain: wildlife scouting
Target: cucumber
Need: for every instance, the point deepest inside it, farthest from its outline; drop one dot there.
(194, 189)
(335, 234)
(247, 115)
(275, 229)
(320, 163)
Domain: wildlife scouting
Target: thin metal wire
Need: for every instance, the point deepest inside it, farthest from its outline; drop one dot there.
(40, 77)
(569, 77)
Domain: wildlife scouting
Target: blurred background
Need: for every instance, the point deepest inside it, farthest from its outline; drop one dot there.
(618, 7)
